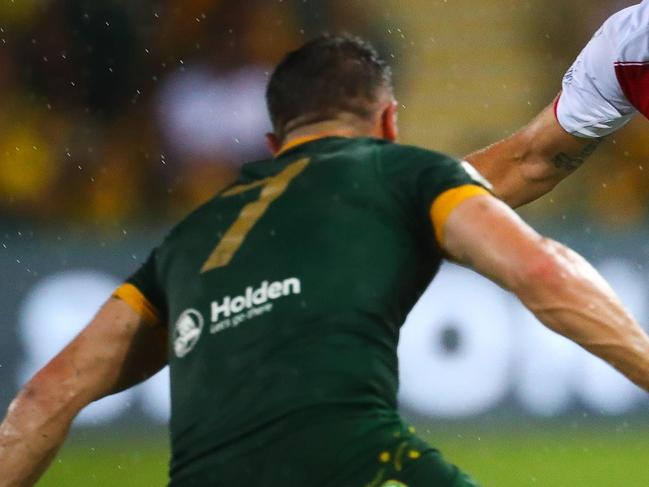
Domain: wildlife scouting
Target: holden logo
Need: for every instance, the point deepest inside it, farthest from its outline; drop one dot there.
(187, 332)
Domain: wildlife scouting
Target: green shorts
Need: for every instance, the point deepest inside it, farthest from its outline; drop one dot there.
(353, 451)
(409, 466)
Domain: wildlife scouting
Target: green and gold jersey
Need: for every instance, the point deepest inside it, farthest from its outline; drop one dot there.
(284, 295)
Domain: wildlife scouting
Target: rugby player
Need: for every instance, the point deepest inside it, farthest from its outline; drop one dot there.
(277, 304)
(605, 87)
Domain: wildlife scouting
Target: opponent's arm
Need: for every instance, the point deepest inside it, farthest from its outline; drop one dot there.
(115, 351)
(556, 284)
(534, 160)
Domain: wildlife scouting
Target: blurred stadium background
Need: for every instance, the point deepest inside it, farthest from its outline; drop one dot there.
(119, 117)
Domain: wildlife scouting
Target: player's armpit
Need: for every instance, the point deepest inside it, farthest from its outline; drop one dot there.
(116, 350)
(534, 160)
(556, 284)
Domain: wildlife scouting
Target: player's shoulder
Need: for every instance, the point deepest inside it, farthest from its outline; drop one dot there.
(396, 158)
(627, 31)
(606, 84)
(206, 215)
(413, 163)
(415, 154)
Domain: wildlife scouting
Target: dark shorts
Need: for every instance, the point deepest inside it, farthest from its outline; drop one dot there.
(411, 467)
(348, 452)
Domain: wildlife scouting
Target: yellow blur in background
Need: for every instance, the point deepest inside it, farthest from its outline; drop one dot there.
(116, 113)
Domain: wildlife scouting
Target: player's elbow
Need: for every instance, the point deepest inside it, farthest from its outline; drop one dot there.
(533, 158)
(56, 390)
(531, 173)
(542, 272)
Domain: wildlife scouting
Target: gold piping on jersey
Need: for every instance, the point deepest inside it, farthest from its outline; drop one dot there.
(241, 188)
(140, 304)
(299, 141)
(446, 202)
(251, 213)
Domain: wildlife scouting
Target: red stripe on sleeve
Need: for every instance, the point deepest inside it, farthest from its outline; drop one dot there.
(634, 80)
(556, 106)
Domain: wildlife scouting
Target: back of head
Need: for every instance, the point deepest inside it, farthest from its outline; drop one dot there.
(324, 78)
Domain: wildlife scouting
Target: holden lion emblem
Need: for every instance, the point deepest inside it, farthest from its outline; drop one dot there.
(187, 331)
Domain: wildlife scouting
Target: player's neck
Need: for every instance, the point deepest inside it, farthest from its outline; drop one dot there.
(327, 128)
(339, 127)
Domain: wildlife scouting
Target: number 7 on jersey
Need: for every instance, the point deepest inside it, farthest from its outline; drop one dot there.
(273, 188)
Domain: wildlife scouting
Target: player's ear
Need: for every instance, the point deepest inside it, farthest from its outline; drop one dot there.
(389, 125)
(274, 144)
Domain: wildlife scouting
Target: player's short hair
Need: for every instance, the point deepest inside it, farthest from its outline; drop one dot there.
(328, 75)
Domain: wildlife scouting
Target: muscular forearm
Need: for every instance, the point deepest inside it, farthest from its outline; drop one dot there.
(555, 283)
(36, 425)
(578, 304)
(532, 161)
(115, 351)
(506, 165)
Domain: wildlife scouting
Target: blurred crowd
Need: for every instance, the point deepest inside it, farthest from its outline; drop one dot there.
(117, 110)
(114, 111)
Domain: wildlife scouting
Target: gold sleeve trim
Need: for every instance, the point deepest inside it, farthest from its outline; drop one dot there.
(446, 202)
(140, 304)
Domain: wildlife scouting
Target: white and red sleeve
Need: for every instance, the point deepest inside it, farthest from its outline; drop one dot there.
(609, 81)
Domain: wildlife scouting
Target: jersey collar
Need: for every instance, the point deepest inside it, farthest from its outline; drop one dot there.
(302, 140)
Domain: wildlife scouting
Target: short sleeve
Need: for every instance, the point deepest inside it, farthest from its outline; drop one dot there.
(608, 82)
(432, 184)
(143, 292)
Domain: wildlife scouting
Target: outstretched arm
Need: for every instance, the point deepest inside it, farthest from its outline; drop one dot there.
(601, 92)
(564, 292)
(534, 160)
(115, 351)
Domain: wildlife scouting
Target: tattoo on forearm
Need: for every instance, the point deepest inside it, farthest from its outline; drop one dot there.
(572, 162)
